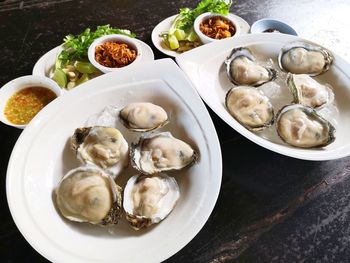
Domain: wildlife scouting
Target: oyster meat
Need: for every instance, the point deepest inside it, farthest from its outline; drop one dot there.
(302, 127)
(250, 107)
(101, 146)
(149, 199)
(161, 152)
(304, 58)
(307, 91)
(143, 116)
(88, 194)
(243, 70)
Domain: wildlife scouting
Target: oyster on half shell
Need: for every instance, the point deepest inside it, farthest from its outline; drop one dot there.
(250, 107)
(88, 194)
(101, 146)
(308, 92)
(149, 199)
(304, 58)
(302, 127)
(143, 116)
(161, 152)
(242, 69)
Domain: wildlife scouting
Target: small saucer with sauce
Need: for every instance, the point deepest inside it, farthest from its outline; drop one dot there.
(22, 98)
(268, 25)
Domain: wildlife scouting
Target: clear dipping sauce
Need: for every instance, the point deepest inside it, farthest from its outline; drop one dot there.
(22, 106)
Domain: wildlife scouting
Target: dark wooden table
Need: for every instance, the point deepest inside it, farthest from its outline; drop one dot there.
(271, 208)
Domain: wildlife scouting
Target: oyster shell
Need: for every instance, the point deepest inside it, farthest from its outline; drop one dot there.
(307, 91)
(143, 116)
(88, 194)
(101, 146)
(161, 152)
(149, 199)
(242, 69)
(302, 127)
(304, 58)
(250, 107)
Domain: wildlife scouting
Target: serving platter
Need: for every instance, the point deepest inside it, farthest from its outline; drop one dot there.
(45, 63)
(205, 67)
(165, 24)
(42, 156)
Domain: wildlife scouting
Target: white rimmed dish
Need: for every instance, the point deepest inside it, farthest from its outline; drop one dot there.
(15, 85)
(204, 38)
(118, 39)
(165, 24)
(30, 184)
(260, 26)
(204, 66)
(46, 63)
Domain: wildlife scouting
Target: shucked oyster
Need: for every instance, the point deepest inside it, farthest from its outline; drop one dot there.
(304, 58)
(307, 91)
(149, 199)
(161, 152)
(88, 194)
(101, 146)
(243, 70)
(250, 107)
(301, 126)
(143, 116)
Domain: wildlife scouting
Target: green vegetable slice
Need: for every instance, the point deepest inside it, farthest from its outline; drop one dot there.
(84, 67)
(60, 77)
(83, 78)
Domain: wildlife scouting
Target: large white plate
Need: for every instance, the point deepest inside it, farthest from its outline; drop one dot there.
(45, 63)
(42, 155)
(204, 66)
(165, 24)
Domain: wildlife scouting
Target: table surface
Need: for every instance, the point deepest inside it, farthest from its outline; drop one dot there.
(271, 208)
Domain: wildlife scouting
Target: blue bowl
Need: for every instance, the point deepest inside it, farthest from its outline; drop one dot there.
(262, 25)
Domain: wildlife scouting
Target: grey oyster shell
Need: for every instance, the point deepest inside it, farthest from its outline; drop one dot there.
(304, 58)
(242, 69)
(303, 127)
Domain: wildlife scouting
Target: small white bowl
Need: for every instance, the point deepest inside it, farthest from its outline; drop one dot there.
(205, 39)
(260, 26)
(20, 83)
(114, 38)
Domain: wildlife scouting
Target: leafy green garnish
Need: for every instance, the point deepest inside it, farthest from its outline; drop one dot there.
(76, 47)
(187, 16)
(183, 24)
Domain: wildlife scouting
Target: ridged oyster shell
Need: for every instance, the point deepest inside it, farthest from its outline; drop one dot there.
(304, 58)
(302, 127)
(143, 116)
(160, 152)
(88, 194)
(242, 69)
(149, 199)
(250, 107)
(308, 92)
(101, 146)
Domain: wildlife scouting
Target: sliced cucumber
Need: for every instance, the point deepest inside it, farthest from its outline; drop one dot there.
(180, 34)
(173, 42)
(83, 78)
(84, 67)
(60, 77)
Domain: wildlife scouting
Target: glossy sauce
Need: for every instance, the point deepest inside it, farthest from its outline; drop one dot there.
(25, 104)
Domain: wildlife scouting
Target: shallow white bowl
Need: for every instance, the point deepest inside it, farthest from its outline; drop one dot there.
(10, 88)
(114, 38)
(42, 155)
(205, 39)
(205, 67)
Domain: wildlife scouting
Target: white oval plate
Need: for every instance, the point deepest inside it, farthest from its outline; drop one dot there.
(204, 66)
(43, 66)
(166, 24)
(42, 156)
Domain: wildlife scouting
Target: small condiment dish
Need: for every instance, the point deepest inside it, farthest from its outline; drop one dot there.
(268, 25)
(18, 84)
(113, 38)
(204, 38)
